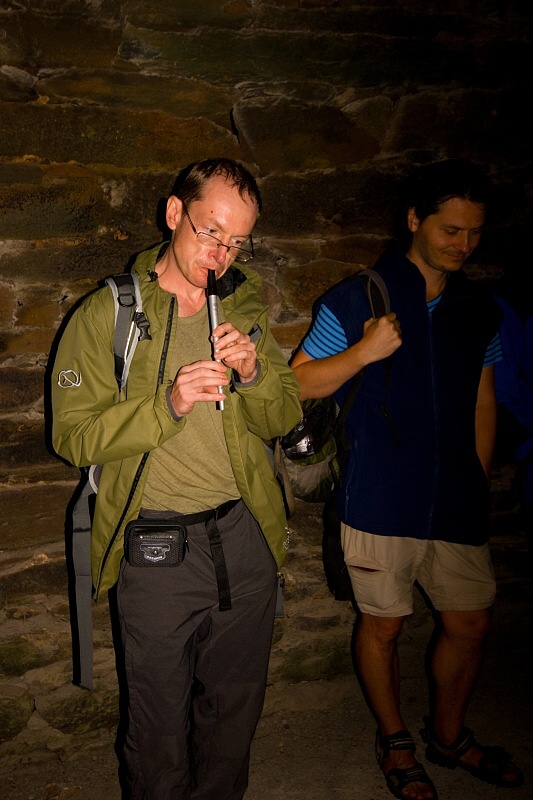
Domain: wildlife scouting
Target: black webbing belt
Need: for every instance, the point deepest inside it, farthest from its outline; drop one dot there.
(210, 518)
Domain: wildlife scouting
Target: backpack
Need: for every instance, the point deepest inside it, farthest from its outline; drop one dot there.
(129, 318)
(309, 460)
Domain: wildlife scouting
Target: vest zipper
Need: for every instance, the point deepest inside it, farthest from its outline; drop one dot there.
(435, 423)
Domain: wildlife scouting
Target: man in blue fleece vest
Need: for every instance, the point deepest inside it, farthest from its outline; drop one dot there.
(414, 497)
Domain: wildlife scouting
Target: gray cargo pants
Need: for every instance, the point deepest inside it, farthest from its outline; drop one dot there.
(196, 676)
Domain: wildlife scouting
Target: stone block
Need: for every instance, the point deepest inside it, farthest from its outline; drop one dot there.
(292, 250)
(303, 573)
(46, 679)
(168, 15)
(20, 388)
(314, 623)
(329, 204)
(38, 306)
(16, 707)
(319, 659)
(372, 114)
(33, 568)
(286, 135)
(272, 55)
(70, 267)
(49, 471)
(20, 173)
(139, 201)
(60, 209)
(11, 91)
(25, 652)
(8, 305)
(289, 337)
(30, 344)
(178, 97)
(301, 286)
(24, 445)
(31, 516)
(308, 519)
(73, 710)
(359, 251)
(483, 125)
(93, 135)
(52, 36)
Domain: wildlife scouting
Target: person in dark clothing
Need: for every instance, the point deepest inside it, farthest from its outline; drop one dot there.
(514, 393)
(414, 496)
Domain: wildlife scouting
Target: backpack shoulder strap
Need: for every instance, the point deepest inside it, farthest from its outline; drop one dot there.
(123, 289)
(378, 297)
(377, 292)
(82, 637)
(129, 316)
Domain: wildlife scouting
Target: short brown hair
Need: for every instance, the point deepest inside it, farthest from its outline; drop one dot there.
(190, 182)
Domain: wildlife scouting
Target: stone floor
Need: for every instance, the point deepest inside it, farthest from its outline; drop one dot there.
(315, 740)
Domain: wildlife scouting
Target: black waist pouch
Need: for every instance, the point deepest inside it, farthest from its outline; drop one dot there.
(154, 543)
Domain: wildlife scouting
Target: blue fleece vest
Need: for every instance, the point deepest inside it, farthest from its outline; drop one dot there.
(412, 468)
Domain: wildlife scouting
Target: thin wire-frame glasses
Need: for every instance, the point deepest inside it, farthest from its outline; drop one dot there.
(207, 240)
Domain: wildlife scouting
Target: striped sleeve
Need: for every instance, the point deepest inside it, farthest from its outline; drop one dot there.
(494, 352)
(326, 337)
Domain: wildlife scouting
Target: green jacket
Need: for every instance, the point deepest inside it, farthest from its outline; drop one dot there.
(93, 424)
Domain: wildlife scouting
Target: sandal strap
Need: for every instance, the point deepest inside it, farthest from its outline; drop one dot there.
(400, 778)
(493, 764)
(401, 740)
(462, 744)
(456, 749)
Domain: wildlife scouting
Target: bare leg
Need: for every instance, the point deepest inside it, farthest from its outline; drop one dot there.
(456, 663)
(455, 666)
(376, 657)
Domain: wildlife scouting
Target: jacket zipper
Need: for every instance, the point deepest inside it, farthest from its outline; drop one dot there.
(144, 459)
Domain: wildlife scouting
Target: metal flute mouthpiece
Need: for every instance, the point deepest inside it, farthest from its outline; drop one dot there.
(212, 308)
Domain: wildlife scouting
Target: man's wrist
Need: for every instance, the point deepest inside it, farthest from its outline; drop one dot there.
(239, 381)
(175, 416)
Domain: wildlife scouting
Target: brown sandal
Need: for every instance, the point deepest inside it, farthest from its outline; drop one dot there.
(397, 778)
(493, 764)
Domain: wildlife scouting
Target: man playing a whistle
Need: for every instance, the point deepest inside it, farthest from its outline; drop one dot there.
(196, 605)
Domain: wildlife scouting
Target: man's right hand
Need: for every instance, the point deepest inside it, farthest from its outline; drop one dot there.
(381, 337)
(197, 383)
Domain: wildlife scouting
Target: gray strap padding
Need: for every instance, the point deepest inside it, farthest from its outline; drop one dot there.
(81, 558)
(127, 297)
(128, 309)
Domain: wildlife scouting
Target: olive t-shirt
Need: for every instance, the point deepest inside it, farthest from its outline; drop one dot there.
(191, 472)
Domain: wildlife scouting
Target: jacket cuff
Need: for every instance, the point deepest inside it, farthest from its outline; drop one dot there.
(239, 385)
(173, 414)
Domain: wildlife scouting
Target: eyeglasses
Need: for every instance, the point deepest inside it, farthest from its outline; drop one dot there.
(206, 240)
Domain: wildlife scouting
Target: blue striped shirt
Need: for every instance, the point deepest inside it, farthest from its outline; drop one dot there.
(327, 338)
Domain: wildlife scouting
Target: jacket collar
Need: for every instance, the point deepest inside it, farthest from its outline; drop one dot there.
(394, 265)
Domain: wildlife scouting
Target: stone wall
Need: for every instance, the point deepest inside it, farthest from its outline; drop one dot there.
(328, 102)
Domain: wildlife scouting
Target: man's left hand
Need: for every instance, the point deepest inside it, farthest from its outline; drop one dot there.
(236, 351)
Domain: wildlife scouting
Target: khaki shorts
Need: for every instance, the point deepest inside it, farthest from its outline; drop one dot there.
(456, 577)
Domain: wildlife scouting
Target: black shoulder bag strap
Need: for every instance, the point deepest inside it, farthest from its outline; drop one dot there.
(378, 297)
